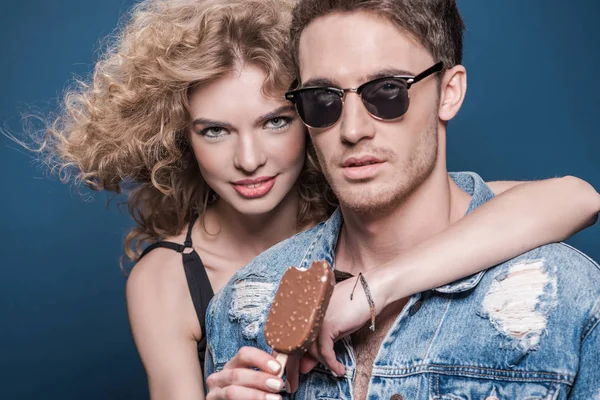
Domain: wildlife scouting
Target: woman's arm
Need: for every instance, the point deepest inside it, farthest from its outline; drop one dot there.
(165, 326)
(502, 186)
(519, 219)
(522, 218)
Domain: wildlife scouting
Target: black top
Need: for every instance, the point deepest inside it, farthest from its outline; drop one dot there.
(197, 280)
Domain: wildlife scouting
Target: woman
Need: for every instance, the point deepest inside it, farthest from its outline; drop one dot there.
(186, 113)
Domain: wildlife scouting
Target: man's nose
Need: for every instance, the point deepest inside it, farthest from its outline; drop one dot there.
(356, 123)
(249, 154)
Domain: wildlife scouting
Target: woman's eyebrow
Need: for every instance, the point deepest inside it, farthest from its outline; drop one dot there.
(211, 122)
(221, 124)
(275, 113)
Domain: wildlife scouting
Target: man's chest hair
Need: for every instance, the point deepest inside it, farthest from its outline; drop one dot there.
(366, 344)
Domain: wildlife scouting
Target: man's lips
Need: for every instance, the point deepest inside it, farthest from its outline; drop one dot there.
(361, 168)
(354, 162)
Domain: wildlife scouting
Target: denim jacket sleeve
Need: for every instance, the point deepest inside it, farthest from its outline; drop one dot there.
(587, 383)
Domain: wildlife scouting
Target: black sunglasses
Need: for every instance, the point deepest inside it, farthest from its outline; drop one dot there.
(384, 98)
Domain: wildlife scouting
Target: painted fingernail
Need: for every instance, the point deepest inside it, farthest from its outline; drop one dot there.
(273, 397)
(334, 374)
(273, 366)
(274, 384)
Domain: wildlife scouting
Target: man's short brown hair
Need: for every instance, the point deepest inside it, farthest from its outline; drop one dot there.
(436, 24)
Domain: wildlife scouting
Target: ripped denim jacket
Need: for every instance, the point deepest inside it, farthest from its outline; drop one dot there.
(526, 329)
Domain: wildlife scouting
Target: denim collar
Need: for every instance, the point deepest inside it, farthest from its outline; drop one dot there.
(326, 235)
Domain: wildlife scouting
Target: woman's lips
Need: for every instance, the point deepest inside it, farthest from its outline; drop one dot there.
(254, 188)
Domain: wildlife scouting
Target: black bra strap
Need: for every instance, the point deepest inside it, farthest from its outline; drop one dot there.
(188, 236)
(174, 246)
(195, 272)
(169, 245)
(198, 282)
(200, 288)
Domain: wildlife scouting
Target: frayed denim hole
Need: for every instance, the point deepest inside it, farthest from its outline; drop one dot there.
(249, 304)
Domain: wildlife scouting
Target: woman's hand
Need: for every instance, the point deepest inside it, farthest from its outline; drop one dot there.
(237, 381)
(343, 317)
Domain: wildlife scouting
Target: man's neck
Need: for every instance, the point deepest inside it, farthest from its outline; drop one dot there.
(370, 241)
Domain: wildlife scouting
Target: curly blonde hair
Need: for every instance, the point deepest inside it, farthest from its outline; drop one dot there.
(124, 129)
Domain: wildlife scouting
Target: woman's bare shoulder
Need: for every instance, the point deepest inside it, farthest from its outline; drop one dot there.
(160, 264)
(159, 274)
(157, 293)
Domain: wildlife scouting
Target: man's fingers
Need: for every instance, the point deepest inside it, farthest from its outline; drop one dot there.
(240, 393)
(249, 357)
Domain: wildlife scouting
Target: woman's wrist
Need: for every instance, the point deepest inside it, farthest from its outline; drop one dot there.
(386, 283)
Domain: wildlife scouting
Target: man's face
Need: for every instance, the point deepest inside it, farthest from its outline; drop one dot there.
(371, 164)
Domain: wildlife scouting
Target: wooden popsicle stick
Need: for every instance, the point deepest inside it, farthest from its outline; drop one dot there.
(282, 360)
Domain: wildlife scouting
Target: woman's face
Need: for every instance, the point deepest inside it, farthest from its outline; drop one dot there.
(250, 148)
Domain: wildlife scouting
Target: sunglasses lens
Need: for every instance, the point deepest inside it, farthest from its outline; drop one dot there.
(386, 99)
(319, 108)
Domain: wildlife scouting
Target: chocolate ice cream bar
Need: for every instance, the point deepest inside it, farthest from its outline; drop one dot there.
(299, 307)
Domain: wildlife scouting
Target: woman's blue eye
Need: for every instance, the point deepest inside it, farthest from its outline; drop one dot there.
(213, 132)
(278, 123)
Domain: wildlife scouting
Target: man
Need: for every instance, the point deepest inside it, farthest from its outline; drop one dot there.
(526, 329)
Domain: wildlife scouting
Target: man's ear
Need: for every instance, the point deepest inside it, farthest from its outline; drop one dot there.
(452, 92)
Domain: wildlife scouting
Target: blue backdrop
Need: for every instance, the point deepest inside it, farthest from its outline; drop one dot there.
(531, 112)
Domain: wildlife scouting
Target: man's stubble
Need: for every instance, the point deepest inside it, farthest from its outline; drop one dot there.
(376, 198)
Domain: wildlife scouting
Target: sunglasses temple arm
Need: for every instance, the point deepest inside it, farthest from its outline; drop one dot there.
(429, 71)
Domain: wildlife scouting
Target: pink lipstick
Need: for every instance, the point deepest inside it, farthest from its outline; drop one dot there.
(254, 188)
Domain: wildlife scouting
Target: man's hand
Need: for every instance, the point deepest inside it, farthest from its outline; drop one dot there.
(237, 381)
